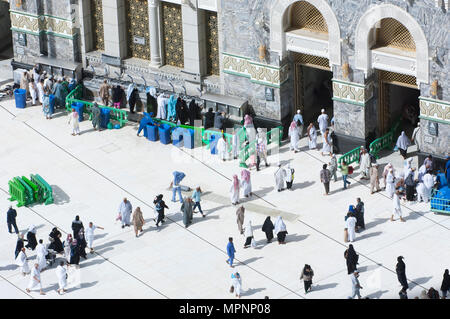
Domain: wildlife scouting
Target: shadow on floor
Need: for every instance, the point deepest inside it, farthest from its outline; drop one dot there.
(377, 294)
(59, 196)
(250, 260)
(323, 287)
(419, 281)
(295, 237)
(369, 235)
(251, 291)
(9, 267)
(376, 222)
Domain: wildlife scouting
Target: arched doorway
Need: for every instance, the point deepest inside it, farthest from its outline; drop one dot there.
(306, 45)
(392, 44)
(398, 93)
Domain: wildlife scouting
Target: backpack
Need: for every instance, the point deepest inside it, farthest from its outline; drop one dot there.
(158, 206)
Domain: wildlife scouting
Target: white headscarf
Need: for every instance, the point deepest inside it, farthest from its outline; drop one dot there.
(279, 225)
(32, 229)
(248, 229)
(403, 141)
(130, 90)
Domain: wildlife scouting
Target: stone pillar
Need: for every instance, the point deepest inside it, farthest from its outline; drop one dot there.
(86, 38)
(115, 28)
(194, 39)
(155, 32)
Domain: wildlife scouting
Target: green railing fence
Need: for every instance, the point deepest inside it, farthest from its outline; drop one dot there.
(76, 96)
(274, 136)
(386, 141)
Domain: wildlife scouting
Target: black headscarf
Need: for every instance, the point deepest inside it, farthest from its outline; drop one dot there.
(268, 225)
(445, 281)
(352, 259)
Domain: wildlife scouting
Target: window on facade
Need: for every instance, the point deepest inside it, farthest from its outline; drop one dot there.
(97, 25)
(306, 16)
(173, 34)
(392, 33)
(138, 38)
(212, 45)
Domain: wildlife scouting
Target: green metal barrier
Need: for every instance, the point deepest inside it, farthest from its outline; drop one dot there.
(28, 191)
(350, 157)
(45, 189)
(274, 136)
(75, 96)
(386, 141)
(33, 186)
(17, 193)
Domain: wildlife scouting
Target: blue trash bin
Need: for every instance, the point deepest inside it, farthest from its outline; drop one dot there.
(164, 134)
(188, 138)
(213, 144)
(51, 103)
(20, 95)
(105, 116)
(152, 133)
(79, 107)
(177, 137)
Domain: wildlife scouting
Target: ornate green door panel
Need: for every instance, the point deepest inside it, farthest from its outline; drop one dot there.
(212, 45)
(138, 35)
(97, 25)
(173, 34)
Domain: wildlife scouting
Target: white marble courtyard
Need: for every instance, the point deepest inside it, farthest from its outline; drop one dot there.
(91, 173)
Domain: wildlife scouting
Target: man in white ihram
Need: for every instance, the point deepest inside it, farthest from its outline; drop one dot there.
(61, 273)
(35, 279)
(323, 122)
(125, 209)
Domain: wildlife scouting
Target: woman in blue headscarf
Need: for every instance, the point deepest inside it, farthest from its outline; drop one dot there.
(177, 178)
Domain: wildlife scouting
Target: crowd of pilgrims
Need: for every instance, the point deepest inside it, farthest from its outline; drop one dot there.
(399, 184)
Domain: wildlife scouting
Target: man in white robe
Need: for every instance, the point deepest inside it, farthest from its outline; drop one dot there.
(236, 283)
(125, 210)
(61, 273)
(246, 183)
(390, 183)
(234, 190)
(397, 210)
(424, 188)
(35, 280)
(365, 164)
(294, 134)
(355, 285)
(222, 148)
(22, 262)
(235, 144)
(350, 224)
(417, 136)
(89, 234)
(280, 176)
(323, 122)
(41, 252)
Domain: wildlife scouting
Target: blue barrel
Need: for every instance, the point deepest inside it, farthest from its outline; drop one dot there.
(188, 138)
(51, 103)
(79, 107)
(105, 116)
(20, 95)
(152, 133)
(164, 134)
(177, 137)
(213, 144)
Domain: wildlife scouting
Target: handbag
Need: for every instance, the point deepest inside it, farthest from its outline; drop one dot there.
(253, 243)
(350, 169)
(345, 235)
(231, 289)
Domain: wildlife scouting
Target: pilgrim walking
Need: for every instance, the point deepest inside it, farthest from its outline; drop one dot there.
(280, 230)
(268, 228)
(35, 280)
(138, 221)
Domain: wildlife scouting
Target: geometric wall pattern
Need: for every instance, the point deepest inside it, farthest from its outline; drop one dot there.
(255, 71)
(434, 110)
